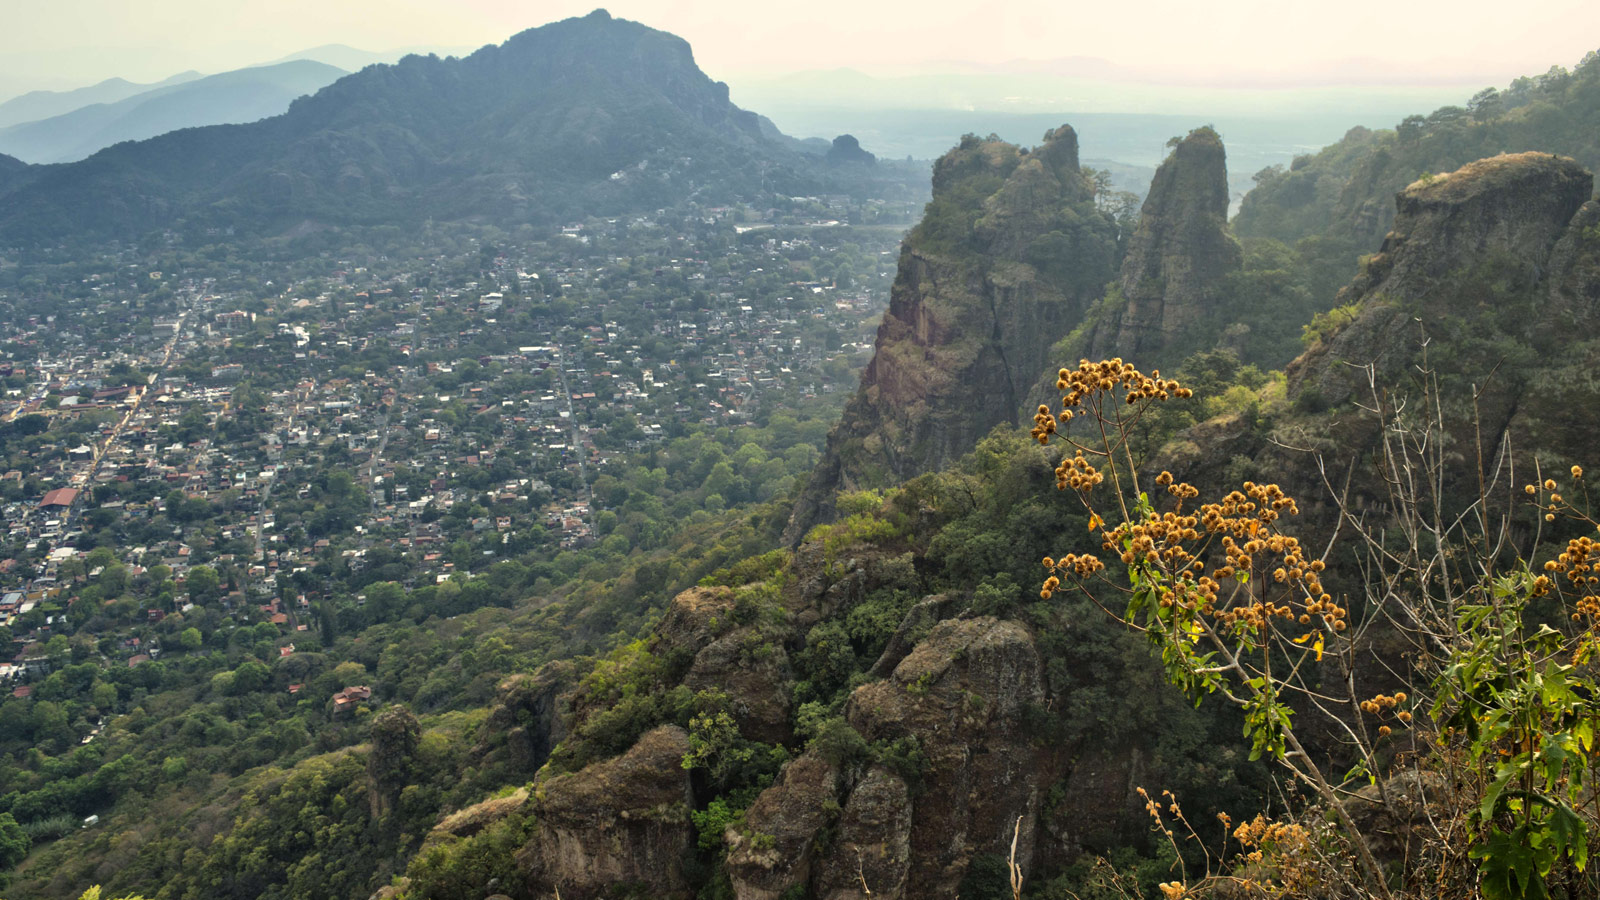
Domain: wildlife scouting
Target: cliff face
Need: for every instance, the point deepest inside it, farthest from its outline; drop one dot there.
(624, 821)
(955, 691)
(1490, 279)
(1009, 255)
(1506, 213)
(1168, 301)
(959, 695)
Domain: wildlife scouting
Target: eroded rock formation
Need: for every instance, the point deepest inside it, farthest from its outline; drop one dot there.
(619, 823)
(1009, 255)
(1168, 301)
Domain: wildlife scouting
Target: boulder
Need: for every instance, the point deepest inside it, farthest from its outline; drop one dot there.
(621, 822)
(773, 849)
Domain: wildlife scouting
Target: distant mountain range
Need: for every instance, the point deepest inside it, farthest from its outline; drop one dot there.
(36, 105)
(243, 95)
(583, 116)
(353, 59)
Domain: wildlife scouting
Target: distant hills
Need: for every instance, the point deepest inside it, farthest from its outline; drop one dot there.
(354, 59)
(587, 115)
(243, 95)
(1345, 191)
(36, 105)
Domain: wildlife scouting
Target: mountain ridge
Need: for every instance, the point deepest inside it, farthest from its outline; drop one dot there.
(1010, 255)
(590, 114)
(35, 105)
(238, 96)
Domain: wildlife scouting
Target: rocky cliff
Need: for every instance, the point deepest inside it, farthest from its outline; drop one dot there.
(1169, 299)
(937, 759)
(1489, 281)
(1009, 255)
(960, 695)
(617, 824)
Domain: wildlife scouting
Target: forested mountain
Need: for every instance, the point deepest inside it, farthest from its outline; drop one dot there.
(36, 105)
(12, 171)
(244, 95)
(1343, 192)
(1344, 520)
(585, 116)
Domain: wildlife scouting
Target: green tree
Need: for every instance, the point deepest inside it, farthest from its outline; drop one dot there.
(14, 842)
(104, 696)
(203, 583)
(251, 676)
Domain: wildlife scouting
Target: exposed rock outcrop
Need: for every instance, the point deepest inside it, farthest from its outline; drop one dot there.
(467, 822)
(530, 715)
(1009, 255)
(961, 695)
(694, 619)
(1168, 300)
(875, 835)
(619, 823)
(820, 590)
(700, 628)
(1509, 213)
(959, 699)
(773, 850)
(1495, 266)
(757, 684)
(913, 628)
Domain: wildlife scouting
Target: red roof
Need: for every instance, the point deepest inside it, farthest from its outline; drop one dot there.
(60, 497)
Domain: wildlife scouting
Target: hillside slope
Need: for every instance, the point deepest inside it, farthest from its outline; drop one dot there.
(1345, 191)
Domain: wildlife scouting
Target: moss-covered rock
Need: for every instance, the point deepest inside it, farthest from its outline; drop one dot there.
(621, 822)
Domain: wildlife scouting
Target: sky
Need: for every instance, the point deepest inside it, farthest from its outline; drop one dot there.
(1232, 43)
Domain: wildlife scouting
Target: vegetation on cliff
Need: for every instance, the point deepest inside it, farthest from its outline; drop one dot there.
(891, 703)
(1344, 192)
(1010, 253)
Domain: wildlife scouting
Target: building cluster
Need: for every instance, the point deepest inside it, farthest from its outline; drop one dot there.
(417, 416)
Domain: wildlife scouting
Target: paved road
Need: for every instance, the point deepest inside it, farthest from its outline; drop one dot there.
(85, 478)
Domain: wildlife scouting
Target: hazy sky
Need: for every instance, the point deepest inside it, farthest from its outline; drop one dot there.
(68, 42)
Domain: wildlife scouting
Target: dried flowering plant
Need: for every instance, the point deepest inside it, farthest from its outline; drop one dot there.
(1233, 604)
(1501, 700)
